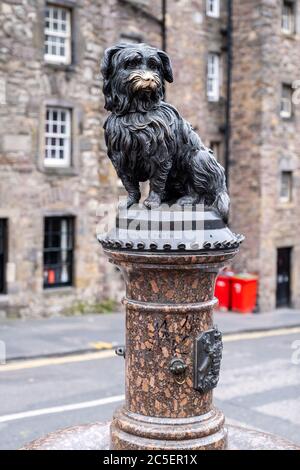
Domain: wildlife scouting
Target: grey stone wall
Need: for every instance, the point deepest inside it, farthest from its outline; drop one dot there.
(28, 191)
(261, 145)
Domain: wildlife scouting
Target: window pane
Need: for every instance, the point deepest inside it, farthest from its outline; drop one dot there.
(213, 8)
(286, 105)
(288, 17)
(286, 186)
(213, 77)
(58, 251)
(57, 136)
(57, 28)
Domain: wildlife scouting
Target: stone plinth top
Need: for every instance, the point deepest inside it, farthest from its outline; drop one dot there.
(170, 228)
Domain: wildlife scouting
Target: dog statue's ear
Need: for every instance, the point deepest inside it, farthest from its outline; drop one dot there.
(108, 55)
(106, 70)
(167, 67)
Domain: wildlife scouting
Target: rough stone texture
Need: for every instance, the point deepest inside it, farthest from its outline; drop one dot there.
(28, 191)
(191, 35)
(169, 302)
(96, 437)
(263, 144)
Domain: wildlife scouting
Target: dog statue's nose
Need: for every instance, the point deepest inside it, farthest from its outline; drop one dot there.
(148, 77)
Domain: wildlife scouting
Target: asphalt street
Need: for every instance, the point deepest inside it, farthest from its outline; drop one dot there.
(259, 387)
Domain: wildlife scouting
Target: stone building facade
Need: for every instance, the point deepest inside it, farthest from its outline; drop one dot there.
(32, 192)
(40, 200)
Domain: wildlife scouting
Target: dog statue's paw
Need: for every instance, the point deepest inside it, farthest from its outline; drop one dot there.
(130, 201)
(188, 200)
(153, 201)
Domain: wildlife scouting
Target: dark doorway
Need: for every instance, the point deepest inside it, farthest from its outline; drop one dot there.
(283, 277)
(3, 253)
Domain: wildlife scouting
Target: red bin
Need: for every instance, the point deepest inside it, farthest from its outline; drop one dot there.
(243, 293)
(222, 291)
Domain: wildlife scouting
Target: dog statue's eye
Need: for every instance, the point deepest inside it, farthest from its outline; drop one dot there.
(133, 63)
(152, 64)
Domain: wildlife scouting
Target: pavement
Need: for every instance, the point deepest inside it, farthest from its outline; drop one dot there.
(60, 336)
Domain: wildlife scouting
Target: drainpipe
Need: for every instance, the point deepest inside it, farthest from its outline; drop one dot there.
(163, 25)
(228, 90)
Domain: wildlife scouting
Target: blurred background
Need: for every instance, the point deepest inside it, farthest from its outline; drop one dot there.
(236, 79)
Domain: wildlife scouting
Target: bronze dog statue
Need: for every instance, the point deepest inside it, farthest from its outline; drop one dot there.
(147, 139)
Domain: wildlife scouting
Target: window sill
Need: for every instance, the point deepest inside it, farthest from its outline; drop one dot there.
(64, 290)
(288, 35)
(287, 119)
(60, 67)
(213, 16)
(285, 205)
(58, 171)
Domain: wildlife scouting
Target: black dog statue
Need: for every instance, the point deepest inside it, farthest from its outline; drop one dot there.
(147, 139)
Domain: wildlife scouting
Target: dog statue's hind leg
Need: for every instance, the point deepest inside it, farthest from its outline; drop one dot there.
(190, 198)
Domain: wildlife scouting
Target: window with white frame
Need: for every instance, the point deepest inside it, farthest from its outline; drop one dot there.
(57, 34)
(286, 186)
(213, 77)
(58, 137)
(213, 8)
(286, 106)
(288, 17)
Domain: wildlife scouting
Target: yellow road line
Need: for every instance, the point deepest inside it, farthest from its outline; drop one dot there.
(260, 334)
(50, 361)
(101, 345)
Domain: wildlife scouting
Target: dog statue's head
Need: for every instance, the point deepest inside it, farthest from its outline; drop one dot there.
(134, 76)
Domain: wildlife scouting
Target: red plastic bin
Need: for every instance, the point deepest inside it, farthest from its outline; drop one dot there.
(243, 293)
(222, 290)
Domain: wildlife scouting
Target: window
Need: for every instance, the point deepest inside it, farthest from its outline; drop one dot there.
(3, 254)
(286, 186)
(213, 77)
(286, 107)
(57, 35)
(288, 17)
(58, 251)
(58, 137)
(215, 147)
(213, 8)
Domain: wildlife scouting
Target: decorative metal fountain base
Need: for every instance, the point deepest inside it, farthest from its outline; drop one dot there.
(173, 350)
(97, 437)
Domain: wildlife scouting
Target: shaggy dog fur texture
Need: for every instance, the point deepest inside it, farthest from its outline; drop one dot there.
(147, 139)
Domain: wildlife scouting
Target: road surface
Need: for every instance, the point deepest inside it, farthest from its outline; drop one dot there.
(259, 387)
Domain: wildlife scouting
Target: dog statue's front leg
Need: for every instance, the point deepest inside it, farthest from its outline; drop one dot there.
(157, 186)
(133, 189)
(130, 184)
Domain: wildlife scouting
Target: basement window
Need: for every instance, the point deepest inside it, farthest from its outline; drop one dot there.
(3, 254)
(58, 251)
(57, 35)
(286, 107)
(288, 17)
(213, 8)
(286, 186)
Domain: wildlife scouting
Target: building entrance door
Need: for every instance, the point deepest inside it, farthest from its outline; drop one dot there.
(283, 277)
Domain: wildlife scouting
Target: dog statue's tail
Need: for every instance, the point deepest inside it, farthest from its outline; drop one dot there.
(210, 181)
(222, 204)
